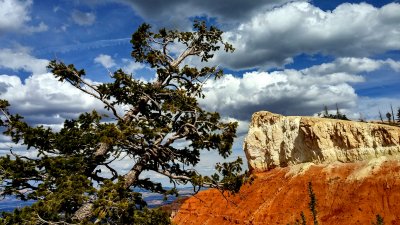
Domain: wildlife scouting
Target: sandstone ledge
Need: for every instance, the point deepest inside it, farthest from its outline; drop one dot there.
(279, 141)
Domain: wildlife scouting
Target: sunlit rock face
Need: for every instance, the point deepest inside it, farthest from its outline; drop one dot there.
(279, 141)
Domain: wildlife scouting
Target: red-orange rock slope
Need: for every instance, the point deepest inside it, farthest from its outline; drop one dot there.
(347, 193)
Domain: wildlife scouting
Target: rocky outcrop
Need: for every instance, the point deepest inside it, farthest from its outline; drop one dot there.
(354, 169)
(278, 141)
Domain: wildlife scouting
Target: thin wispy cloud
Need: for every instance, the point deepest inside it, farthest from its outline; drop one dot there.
(83, 18)
(97, 44)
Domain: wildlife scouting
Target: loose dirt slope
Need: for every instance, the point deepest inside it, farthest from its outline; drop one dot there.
(347, 193)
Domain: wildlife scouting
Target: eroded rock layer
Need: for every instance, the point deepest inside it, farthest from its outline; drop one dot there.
(347, 193)
(278, 141)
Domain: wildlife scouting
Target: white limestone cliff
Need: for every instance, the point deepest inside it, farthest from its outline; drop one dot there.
(278, 141)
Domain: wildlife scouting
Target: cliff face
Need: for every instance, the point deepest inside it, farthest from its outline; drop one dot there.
(354, 169)
(278, 141)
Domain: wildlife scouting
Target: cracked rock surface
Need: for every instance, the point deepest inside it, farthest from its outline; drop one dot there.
(277, 141)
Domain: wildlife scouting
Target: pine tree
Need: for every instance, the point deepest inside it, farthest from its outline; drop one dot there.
(313, 203)
(326, 112)
(66, 180)
(391, 107)
(379, 220)
(380, 116)
(389, 117)
(338, 114)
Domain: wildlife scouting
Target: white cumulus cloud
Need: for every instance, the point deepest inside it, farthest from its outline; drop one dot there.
(15, 15)
(273, 37)
(353, 65)
(288, 92)
(20, 59)
(42, 99)
(105, 60)
(291, 92)
(131, 66)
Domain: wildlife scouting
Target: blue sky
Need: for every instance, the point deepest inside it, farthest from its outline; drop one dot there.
(292, 57)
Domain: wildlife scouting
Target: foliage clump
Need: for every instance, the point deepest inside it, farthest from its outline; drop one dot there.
(312, 206)
(338, 115)
(379, 220)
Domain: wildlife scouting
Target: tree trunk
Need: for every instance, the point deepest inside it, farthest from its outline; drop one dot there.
(130, 178)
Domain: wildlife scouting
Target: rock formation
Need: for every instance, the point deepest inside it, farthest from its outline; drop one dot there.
(354, 169)
(275, 140)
